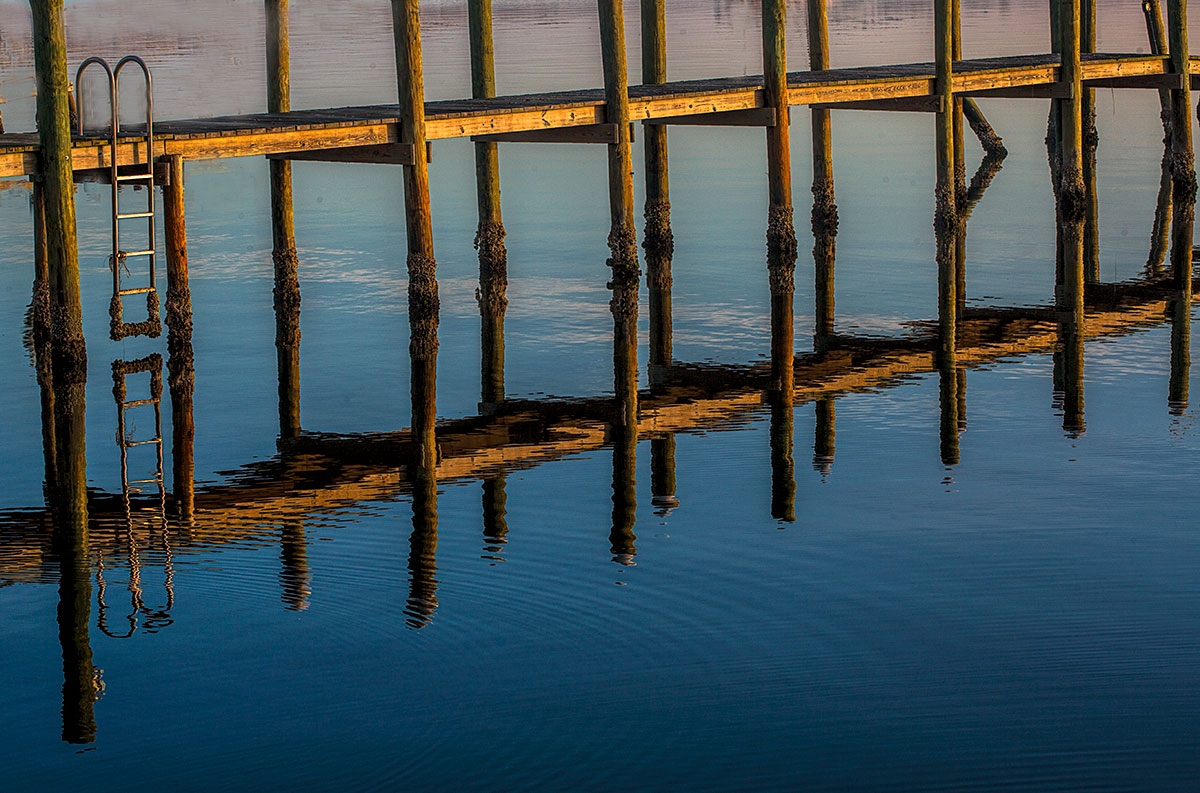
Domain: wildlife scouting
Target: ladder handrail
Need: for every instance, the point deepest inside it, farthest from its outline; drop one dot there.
(151, 327)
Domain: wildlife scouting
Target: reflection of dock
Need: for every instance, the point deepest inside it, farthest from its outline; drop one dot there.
(582, 113)
(318, 472)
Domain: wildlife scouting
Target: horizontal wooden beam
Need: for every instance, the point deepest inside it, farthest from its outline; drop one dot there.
(909, 104)
(1167, 81)
(379, 154)
(162, 174)
(590, 133)
(1046, 91)
(751, 117)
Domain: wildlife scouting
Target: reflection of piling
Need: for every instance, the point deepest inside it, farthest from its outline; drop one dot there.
(622, 239)
(1183, 171)
(422, 554)
(423, 303)
(624, 497)
(659, 242)
(1181, 361)
(1068, 371)
(825, 436)
(80, 685)
(489, 236)
(781, 232)
(949, 403)
(295, 577)
(495, 513)
(783, 461)
(181, 379)
(287, 262)
(945, 210)
(662, 474)
(1160, 234)
(824, 211)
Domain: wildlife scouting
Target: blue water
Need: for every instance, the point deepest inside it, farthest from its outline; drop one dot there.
(1023, 618)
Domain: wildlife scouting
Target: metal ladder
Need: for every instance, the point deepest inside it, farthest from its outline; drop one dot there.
(137, 176)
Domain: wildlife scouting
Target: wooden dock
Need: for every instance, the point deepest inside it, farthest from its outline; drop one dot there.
(372, 133)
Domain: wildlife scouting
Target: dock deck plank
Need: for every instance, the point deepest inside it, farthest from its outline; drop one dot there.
(340, 127)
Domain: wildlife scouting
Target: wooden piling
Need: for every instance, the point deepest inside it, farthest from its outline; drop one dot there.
(1183, 171)
(960, 171)
(181, 378)
(423, 305)
(284, 255)
(1071, 193)
(945, 210)
(659, 242)
(622, 239)
(69, 351)
(1091, 140)
(489, 235)
(39, 320)
(781, 232)
(824, 210)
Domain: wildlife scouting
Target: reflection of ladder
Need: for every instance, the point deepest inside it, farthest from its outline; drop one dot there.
(121, 369)
(154, 618)
(138, 176)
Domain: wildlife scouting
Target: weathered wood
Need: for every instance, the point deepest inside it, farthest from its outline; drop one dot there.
(1165, 82)
(591, 133)
(423, 307)
(489, 234)
(1183, 170)
(622, 239)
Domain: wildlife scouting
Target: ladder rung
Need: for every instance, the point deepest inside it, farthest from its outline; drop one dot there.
(147, 252)
(130, 177)
(137, 402)
(141, 290)
(130, 444)
(128, 215)
(143, 481)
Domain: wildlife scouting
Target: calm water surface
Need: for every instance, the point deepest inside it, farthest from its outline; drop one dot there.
(1019, 612)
